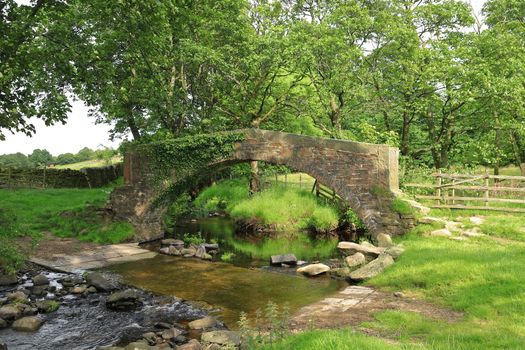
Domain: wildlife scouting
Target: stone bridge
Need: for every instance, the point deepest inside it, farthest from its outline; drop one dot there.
(364, 175)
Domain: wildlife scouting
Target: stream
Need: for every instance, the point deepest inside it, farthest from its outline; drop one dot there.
(244, 284)
(177, 289)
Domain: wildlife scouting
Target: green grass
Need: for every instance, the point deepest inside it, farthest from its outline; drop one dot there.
(481, 277)
(401, 207)
(335, 340)
(92, 163)
(279, 206)
(65, 213)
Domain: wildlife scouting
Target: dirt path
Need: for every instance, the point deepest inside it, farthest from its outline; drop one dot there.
(357, 304)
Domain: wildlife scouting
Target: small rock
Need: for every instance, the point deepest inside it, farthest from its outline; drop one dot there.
(214, 347)
(150, 337)
(98, 281)
(17, 297)
(172, 242)
(222, 338)
(340, 273)
(137, 346)
(28, 310)
(91, 289)
(384, 240)
(188, 252)
(395, 251)
(123, 300)
(164, 250)
(191, 345)
(430, 220)
(199, 253)
(350, 248)
(399, 294)
(40, 280)
(171, 333)
(288, 259)
(39, 291)
(173, 250)
(473, 232)
(313, 269)
(179, 340)
(373, 268)
(10, 312)
(162, 325)
(206, 256)
(444, 232)
(46, 306)
(3, 323)
(203, 323)
(27, 324)
(476, 220)
(71, 281)
(3, 346)
(7, 280)
(210, 246)
(357, 259)
(78, 289)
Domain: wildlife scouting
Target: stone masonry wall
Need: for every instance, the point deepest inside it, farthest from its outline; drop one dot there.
(365, 175)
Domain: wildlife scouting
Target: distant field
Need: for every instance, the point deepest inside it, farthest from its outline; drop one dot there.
(93, 163)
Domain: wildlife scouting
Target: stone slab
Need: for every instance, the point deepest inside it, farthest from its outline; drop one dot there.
(96, 258)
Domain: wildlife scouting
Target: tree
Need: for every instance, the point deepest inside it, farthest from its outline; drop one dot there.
(40, 158)
(33, 80)
(15, 160)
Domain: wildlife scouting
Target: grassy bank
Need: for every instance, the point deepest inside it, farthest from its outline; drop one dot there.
(482, 277)
(63, 212)
(281, 207)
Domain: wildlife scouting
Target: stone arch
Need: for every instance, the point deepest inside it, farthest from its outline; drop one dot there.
(364, 175)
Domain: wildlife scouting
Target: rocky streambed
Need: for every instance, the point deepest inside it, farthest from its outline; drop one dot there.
(45, 310)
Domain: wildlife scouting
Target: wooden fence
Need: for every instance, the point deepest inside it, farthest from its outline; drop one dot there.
(481, 192)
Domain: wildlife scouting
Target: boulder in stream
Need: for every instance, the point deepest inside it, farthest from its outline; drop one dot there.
(100, 282)
(27, 324)
(191, 345)
(224, 338)
(10, 312)
(355, 260)
(288, 259)
(372, 269)
(6, 280)
(40, 280)
(313, 269)
(350, 248)
(203, 323)
(124, 300)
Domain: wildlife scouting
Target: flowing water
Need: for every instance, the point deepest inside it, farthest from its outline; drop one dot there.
(224, 289)
(245, 284)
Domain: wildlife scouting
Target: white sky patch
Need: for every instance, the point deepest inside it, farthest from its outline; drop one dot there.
(80, 130)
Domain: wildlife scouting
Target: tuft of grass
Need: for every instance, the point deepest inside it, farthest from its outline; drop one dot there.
(401, 207)
(279, 206)
(227, 256)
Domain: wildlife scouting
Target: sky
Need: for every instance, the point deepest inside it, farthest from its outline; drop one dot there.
(80, 130)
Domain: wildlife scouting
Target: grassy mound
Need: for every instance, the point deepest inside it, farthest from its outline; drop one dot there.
(278, 206)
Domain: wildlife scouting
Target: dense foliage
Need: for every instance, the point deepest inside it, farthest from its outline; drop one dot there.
(40, 158)
(429, 76)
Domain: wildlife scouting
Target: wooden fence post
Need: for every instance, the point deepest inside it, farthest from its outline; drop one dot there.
(487, 190)
(438, 188)
(453, 191)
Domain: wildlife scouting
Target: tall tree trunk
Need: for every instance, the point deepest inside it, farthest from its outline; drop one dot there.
(497, 142)
(519, 153)
(405, 147)
(255, 182)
